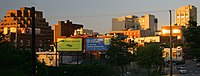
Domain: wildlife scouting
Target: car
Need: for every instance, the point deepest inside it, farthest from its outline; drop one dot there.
(195, 60)
(183, 71)
(180, 67)
(198, 64)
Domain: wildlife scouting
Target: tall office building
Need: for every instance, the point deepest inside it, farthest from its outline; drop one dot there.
(17, 25)
(148, 22)
(185, 14)
(124, 23)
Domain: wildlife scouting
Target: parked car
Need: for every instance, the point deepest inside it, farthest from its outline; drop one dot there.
(182, 70)
(195, 60)
(180, 67)
(198, 64)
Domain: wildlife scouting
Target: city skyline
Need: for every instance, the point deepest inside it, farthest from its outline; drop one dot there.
(97, 15)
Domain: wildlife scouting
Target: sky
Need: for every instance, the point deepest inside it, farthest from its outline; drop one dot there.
(97, 14)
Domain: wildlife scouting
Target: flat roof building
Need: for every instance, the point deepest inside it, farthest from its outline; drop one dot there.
(148, 22)
(124, 23)
(185, 14)
(65, 28)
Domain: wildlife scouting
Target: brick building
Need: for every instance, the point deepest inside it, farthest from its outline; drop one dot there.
(134, 33)
(17, 25)
(65, 28)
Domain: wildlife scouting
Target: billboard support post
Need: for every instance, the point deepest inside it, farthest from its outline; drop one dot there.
(56, 53)
(91, 57)
(61, 58)
(77, 57)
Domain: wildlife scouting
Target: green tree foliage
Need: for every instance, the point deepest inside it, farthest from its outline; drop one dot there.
(150, 55)
(192, 36)
(15, 62)
(118, 54)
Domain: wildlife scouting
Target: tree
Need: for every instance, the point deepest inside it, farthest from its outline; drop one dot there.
(118, 52)
(149, 55)
(15, 62)
(192, 36)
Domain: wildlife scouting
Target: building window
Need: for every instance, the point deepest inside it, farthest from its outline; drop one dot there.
(28, 42)
(40, 42)
(155, 20)
(167, 54)
(21, 42)
(142, 41)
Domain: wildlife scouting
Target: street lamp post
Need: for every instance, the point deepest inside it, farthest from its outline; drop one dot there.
(33, 42)
(16, 34)
(170, 44)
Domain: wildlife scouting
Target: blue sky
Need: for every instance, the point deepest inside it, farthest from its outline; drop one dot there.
(97, 14)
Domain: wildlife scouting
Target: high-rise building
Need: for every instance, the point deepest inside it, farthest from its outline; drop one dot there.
(124, 23)
(185, 14)
(65, 28)
(148, 22)
(17, 24)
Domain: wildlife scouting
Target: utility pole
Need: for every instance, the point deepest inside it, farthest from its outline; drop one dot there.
(56, 53)
(170, 21)
(33, 41)
(16, 34)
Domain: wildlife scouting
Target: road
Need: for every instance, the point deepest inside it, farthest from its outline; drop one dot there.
(192, 69)
(190, 66)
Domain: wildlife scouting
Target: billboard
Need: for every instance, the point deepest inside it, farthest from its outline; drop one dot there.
(69, 44)
(97, 44)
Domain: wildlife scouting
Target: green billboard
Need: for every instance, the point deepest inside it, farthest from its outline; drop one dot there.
(69, 44)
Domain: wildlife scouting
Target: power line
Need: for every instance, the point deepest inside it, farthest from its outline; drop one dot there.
(108, 15)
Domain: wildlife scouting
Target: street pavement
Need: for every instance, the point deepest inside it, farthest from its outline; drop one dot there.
(190, 66)
(192, 69)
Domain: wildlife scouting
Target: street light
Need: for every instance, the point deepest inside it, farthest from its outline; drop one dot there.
(170, 21)
(16, 34)
(32, 14)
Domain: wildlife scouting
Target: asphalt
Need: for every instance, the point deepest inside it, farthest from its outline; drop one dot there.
(190, 66)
